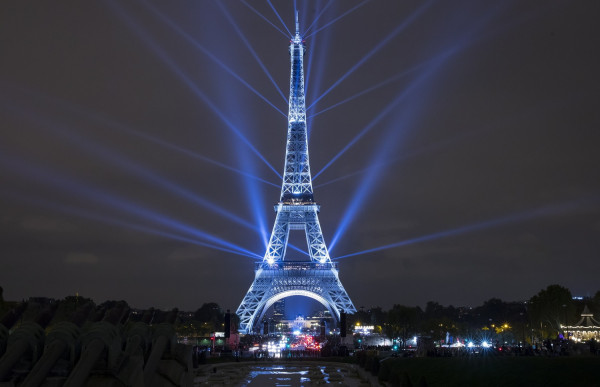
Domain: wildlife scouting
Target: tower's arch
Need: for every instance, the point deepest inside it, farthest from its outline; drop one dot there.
(273, 282)
(261, 310)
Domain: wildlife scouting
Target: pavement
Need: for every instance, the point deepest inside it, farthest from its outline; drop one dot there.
(273, 373)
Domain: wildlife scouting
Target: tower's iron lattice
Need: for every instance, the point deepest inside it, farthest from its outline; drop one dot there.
(275, 278)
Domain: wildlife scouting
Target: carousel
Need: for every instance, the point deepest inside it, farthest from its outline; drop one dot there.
(586, 329)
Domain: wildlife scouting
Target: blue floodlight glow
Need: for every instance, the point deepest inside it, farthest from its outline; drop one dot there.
(71, 187)
(369, 89)
(364, 131)
(337, 18)
(213, 57)
(512, 218)
(433, 65)
(264, 18)
(255, 199)
(316, 65)
(428, 148)
(251, 49)
(318, 16)
(122, 162)
(369, 181)
(251, 188)
(187, 81)
(280, 19)
(298, 249)
(110, 123)
(384, 149)
(373, 51)
(381, 155)
(86, 214)
(196, 155)
(428, 66)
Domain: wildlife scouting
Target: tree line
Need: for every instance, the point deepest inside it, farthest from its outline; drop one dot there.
(533, 320)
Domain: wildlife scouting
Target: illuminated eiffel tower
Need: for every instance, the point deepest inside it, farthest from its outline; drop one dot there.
(276, 278)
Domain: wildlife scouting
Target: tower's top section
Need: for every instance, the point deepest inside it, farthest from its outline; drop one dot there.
(297, 39)
(297, 182)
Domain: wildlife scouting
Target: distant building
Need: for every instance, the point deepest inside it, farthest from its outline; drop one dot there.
(279, 310)
(303, 324)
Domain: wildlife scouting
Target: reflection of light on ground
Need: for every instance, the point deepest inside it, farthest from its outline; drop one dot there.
(300, 375)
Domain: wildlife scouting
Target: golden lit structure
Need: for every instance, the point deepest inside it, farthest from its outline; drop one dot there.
(586, 329)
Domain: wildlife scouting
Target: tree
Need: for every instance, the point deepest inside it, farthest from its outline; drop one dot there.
(433, 310)
(550, 308)
(210, 316)
(595, 306)
(494, 309)
(374, 316)
(403, 321)
(67, 307)
(2, 307)
(361, 317)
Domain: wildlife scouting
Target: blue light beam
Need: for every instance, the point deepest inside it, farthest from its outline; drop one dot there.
(137, 170)
(86, 214)
(280, 19)
(119, 126)
(294, 247)
(373, 51)
(498, 222)
(264, 18)
(369, 180)
(337, 18)
(368, 90)
(187, 81)
(64, 184)
(318, 16)
(251, 49)
(382, 114)
(197, 45)
(382, 151)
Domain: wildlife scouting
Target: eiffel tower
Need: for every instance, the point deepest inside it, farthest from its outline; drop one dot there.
(276, 278)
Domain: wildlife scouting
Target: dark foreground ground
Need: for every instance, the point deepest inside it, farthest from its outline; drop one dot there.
(492, 371)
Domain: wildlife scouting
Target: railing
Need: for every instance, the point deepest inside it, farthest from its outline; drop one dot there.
(296, 265)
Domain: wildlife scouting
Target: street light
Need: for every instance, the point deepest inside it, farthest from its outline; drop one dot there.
(522, 327)
(565, 331)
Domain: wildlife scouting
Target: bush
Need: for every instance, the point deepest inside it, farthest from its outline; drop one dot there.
(361, 358)
(375, 365)
(385, 371)
(400, 379)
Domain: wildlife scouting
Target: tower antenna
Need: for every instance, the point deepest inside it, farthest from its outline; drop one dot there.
(297, 25)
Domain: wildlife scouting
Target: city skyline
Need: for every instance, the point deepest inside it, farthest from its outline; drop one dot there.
(452, 146)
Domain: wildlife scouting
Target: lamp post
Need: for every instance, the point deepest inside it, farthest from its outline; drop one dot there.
(565, 330)
(522, 328)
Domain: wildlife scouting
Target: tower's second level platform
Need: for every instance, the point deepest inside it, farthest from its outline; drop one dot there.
(296, 268)
(296, 206)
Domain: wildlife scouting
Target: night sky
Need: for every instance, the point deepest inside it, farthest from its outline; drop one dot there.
(453, 146)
